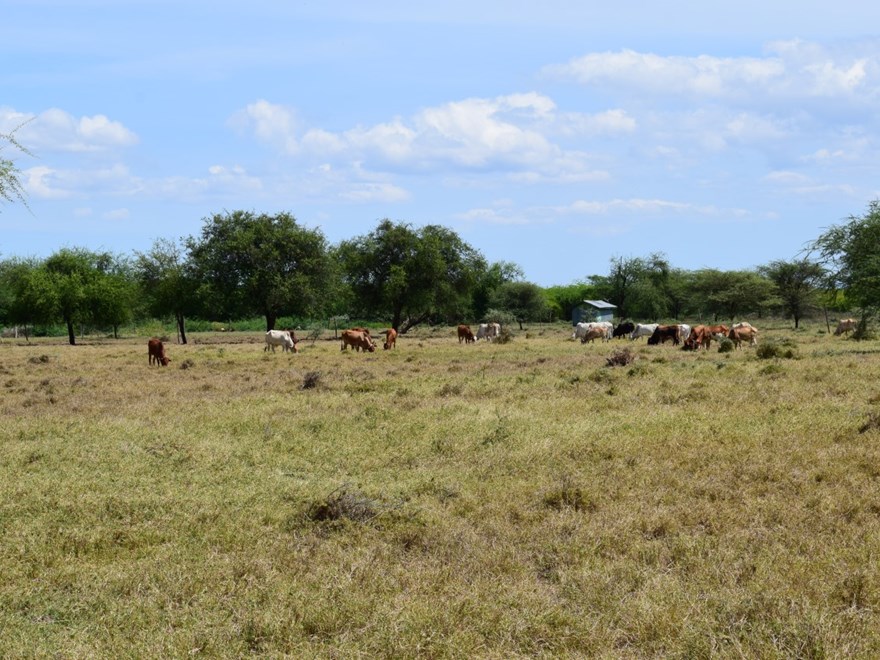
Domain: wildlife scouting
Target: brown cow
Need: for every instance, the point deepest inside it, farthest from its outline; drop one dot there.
(700, 336)
(390, 338)
(156, 351)
(595, 332)
(465, 333)
(357, 340)
(664, 332)
(738, 334)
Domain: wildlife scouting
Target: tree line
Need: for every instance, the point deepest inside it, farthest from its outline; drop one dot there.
(245, 265)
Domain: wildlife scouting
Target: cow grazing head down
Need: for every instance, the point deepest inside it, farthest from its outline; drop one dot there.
(156, 351)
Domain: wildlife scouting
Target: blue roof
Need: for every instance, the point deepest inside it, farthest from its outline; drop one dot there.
(600, 304)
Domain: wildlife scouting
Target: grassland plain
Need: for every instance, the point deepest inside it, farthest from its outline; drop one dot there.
(439, 500)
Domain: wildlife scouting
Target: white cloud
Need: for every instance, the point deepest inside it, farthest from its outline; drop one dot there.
(504, 133)
(271, 123)
(374, 192)
(790, 70)
(116, 214)
(57, 130)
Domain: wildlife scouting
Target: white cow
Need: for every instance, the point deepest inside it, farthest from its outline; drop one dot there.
(845, 326)
(685, 331)
(643, 330)
(584, 328)
(279, 338)
(488, 331)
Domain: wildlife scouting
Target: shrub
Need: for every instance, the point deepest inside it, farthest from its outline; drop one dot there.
(725, 345)
(620, 358)
(311, 380)
(777, 348)
(343, 503)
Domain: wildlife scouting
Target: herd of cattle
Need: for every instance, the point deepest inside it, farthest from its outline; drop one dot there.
(691, 338)
(700, 336)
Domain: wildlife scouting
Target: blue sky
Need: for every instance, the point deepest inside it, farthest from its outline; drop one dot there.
(555, 135)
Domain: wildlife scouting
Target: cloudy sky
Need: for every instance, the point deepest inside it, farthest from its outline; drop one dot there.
(555, 135)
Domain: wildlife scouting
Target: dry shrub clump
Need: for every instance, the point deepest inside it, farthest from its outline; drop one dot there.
(344, 503)
(620, 358)
(311, 380)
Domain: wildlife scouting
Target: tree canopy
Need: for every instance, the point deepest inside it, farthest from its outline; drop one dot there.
(249, 264)
(851, 256)
(411, 275)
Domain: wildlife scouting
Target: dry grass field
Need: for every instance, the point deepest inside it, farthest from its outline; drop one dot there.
(440, 500)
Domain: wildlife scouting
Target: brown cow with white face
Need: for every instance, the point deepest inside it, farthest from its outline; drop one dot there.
(466, 334)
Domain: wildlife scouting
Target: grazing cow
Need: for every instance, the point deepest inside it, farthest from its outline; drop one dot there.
(583, 328)
(664, 332)
(845, 326)
(156, 351)
(465, 333)
(684, 330)
(700, 336)
(643, 330)
(720, 330)
(488, 331)
(279, 338)
(357, 340)
(623, 329)
(743, 332)
(596, 331)
(390, 338)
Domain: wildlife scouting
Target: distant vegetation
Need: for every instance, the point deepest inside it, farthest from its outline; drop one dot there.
(245, 265)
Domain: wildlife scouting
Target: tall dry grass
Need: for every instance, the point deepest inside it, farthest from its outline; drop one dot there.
(440, 500)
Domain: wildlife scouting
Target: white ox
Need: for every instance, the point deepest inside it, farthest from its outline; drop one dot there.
(845, 327)
(488, 331)
(279, 338)
(685, 331)
(643, 330)
(583, 329)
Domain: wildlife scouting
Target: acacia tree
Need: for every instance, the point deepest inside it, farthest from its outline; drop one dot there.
(260, 264)
(796, 285)
(411, 275)
(850, 254)
(11, 188)
(166, 279)
(31, 297)
(729, 294)
(524, 301)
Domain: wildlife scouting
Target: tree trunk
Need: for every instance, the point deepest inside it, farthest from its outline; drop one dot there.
(115, 332)
(181, 328)
(70, 336)
(411, 323)
(797, 321)
(270, 321)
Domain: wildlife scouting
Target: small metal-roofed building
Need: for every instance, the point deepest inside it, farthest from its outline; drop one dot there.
(593, 310)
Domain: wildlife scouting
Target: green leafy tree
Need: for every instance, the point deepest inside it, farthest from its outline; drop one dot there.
(110, 297)
(637, 286)
(497, 274)
(730, 294)
(167, 282)
(563, 299)
(409, 275)
(850, 253)
(796, 286)
(73, 276)
(261, 264)
(524, 301)
(30, 296)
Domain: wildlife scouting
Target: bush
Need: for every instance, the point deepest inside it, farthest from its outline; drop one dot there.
(725, 345)
(777, 348)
